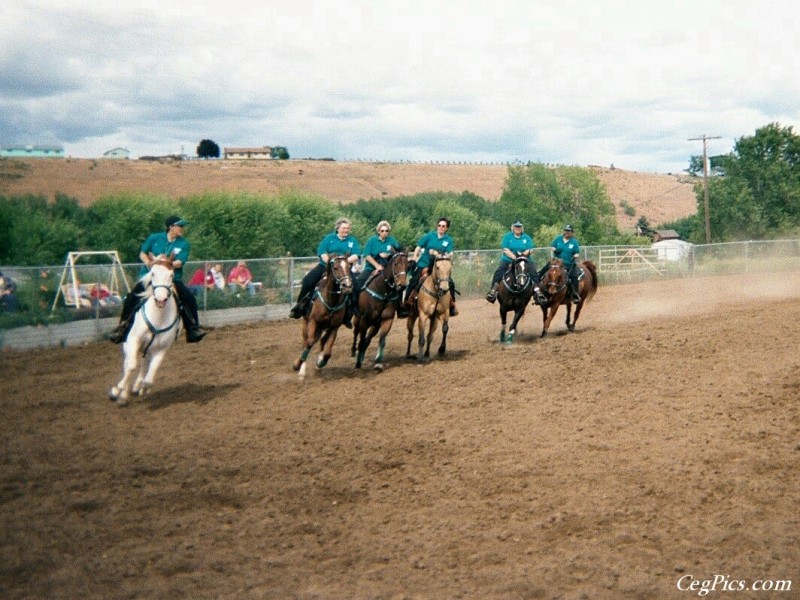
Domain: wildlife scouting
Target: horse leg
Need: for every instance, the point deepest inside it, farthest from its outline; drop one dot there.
(136, 388)
(121, 391)
(327, 347)
(366, 338)
(310, 338)
(513, 329)
(421, 339)
(549, 315)
(410, 327)
(152, 368)
(445, 329)
(386, 326)
(433, 322)
(503, 312)
(570, 327)
(578, 308)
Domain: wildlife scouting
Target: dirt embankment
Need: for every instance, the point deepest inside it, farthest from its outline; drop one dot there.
(659, 197)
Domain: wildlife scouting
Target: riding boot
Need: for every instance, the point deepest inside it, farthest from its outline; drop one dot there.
(492, 295)
(453, 309)
(299, 308)
(573, 284)
(193, 331)
(348, 316)
(120, 332)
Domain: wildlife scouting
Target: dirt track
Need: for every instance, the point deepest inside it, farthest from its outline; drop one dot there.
(661, 440)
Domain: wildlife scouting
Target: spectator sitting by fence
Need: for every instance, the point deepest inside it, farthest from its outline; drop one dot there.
(217, 277)
(240, 278)
(8, 294)
(202, 278)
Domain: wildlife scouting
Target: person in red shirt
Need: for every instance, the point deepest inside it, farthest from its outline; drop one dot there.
(240, 278)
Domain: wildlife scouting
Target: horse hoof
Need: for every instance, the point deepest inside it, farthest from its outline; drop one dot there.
(301, 371)
(296, 365)
(122, 402)
(113, 394)
(378, 367)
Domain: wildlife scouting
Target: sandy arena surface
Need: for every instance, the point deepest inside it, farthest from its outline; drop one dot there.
(659, 441)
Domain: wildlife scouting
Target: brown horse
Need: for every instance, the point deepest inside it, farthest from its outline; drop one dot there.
(432, 306)
(514, 292)
(376, 307)
(555, 285)
(327, 312)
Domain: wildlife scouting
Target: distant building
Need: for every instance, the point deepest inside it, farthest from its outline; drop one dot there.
(117, 153)
(32, 151)
(262, 153)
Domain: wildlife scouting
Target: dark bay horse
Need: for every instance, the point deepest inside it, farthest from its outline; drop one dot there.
(376, 307)
(327, 312)
(555, 285)
(432, 306)
(514, 293)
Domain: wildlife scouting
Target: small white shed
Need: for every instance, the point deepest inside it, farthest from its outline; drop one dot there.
(674, 250)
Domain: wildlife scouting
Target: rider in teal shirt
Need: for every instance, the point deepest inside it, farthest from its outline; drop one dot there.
(514, 243)
(567, 248)
(432, 244)
(170, 243)
(337, 243)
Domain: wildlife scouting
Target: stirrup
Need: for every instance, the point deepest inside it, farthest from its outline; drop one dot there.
(296, 312)
(491, 296)
(453, 310)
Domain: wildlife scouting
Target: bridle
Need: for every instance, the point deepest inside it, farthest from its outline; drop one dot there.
(438, 291)
(389, 280)
(520, 280)
(554, 284)
(344, 279)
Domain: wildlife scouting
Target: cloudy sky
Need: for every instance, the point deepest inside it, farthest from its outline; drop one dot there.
(573, 82)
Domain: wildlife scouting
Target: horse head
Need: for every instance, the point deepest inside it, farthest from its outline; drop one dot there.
(160, 280)
(521, 270)
(339, 274)
(440, 274)
(555, 279)
(397, 270)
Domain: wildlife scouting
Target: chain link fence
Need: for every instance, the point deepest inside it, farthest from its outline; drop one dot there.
(66, 305)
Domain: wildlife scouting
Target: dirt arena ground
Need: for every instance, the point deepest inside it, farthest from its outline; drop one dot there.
(660, 441)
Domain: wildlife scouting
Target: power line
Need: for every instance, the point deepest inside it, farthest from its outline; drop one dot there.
(705, 139)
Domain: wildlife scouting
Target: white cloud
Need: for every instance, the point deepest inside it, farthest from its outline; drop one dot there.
(570, 81)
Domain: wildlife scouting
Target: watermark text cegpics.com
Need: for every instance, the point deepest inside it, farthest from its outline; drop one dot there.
(723, 583)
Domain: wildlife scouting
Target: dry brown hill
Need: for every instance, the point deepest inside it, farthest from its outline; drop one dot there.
(660, 198)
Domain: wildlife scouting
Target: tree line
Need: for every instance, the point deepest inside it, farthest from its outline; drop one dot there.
(36, 231)
(757, 198)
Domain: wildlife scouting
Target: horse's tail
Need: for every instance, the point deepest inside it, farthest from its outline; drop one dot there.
(590, 266)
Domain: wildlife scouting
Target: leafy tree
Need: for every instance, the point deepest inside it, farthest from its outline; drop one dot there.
(544, 197)
(759, 196)
(208, 149)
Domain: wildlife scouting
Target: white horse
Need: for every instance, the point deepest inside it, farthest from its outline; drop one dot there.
(155, 326)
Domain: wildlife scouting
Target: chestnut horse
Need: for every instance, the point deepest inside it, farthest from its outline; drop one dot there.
(555, 285)
(376, 307)
(514, 292)
(327, 312)
(432, 306)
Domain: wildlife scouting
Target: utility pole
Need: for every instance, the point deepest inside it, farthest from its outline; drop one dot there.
(705, 139)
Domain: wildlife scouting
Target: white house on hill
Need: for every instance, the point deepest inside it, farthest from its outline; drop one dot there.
(262, 153)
